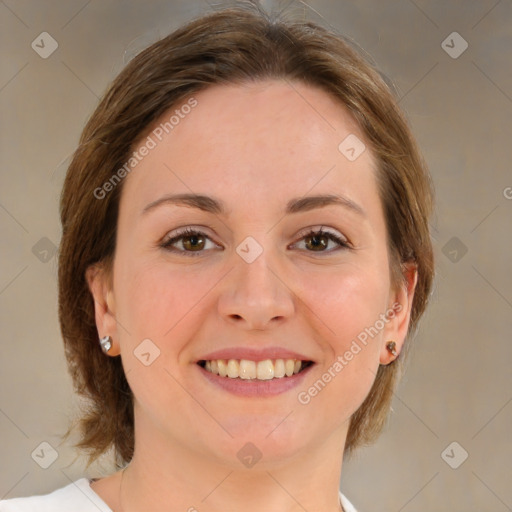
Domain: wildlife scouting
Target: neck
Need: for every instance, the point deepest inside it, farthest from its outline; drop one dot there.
(182, 478)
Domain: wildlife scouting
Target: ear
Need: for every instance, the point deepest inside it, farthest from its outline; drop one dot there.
(399, 312)
(100, 286)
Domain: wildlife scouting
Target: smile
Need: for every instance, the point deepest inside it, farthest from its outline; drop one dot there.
(245, 369)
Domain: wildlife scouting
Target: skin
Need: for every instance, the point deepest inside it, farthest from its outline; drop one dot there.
(254, 147)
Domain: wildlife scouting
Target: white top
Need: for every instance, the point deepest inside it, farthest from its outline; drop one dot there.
(79, 497)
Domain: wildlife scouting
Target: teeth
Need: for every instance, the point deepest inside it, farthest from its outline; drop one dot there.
(279, 368)
(222, 368)
(247, 370)
(265, 370)
(233, 369)
(289, 366)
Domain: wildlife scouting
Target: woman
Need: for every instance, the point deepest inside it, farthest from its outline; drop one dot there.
(245, 251)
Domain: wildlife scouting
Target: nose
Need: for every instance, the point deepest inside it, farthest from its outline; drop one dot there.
(256, 295)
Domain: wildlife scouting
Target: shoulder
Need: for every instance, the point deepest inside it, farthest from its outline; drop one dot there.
(77, 496)
(347, 506)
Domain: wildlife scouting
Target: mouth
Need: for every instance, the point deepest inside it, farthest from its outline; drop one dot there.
(246, 369)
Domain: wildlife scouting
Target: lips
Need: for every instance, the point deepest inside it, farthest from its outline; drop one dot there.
(254, 388)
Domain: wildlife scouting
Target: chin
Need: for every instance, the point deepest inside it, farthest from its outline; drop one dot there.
(258, 443)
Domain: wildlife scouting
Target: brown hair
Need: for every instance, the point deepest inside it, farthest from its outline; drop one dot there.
(229, 46)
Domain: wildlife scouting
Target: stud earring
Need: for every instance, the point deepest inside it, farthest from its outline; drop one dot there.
(106, 344)
(391, 346)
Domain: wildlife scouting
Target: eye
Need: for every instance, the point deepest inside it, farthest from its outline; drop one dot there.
(318, 240)
(191, 240)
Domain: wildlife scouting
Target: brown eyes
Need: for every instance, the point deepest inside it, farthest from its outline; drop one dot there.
(193, 242)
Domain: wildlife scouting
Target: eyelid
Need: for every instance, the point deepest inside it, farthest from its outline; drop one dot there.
(187, 230)
(321, 228)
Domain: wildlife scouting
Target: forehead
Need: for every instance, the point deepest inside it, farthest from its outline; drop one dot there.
(257, 141)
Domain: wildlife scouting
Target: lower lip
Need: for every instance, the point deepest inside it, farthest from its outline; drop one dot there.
(255, 387)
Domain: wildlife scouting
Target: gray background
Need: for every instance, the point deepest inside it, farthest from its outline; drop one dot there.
(458, 384)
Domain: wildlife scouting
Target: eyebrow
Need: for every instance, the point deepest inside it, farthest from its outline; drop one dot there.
(218, 207)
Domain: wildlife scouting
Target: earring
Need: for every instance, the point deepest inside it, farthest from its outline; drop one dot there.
(391, 346)
(106, 344)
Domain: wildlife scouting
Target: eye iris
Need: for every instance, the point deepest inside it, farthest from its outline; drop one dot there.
(193, 241)
(316, 244)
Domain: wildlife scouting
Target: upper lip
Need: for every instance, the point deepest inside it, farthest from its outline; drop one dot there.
(254, 354)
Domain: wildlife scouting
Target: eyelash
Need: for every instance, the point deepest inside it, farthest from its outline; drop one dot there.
(188, 232)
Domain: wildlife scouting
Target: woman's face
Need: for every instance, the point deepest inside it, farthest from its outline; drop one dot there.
(252, 283)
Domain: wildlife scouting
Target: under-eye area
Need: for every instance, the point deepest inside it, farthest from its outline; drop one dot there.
(245, 369)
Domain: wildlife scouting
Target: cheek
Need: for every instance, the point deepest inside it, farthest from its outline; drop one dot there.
(155, 304)
(154, 299)
(349, 304)
(347, 301)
